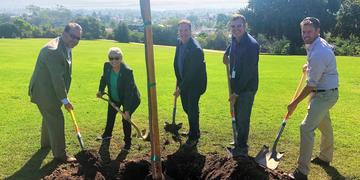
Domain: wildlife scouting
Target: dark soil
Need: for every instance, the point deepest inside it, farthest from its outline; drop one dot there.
(180, 165)
(218, 167)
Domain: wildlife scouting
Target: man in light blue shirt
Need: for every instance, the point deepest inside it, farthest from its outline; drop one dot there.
(321, 65)
(322, 85)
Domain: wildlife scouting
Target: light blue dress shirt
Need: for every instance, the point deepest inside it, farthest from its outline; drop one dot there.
(321, 70)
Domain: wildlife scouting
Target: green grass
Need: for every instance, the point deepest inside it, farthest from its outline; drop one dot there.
(20, 120)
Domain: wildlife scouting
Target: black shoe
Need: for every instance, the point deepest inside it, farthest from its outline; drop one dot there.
(320, 162)
(126, 147)
(122, 155)
(298, 175)
(104, 151)
(191, 143)
(236, 153)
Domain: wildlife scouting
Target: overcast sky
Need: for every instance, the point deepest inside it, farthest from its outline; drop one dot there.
(126, 4)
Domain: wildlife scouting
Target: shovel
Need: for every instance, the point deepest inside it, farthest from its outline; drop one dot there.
(173, 128)
(232, 111)
(144, 136)
(77, 130)
(271, 158)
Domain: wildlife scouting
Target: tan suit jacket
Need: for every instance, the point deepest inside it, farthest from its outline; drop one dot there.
(50, 82)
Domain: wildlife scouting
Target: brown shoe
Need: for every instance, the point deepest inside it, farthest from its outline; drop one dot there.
(67, 159)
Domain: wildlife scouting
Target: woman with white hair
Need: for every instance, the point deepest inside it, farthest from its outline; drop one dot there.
(122, 90)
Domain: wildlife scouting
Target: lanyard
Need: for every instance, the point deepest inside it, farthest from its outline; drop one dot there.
(233, 56)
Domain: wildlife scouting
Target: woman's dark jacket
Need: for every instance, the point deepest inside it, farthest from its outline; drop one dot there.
(127, 91)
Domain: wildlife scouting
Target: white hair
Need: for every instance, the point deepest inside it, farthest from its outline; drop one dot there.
(115, 52)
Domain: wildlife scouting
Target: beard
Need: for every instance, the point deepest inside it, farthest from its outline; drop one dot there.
(309, 40)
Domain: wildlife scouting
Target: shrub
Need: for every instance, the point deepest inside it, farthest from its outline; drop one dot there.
(346, 47)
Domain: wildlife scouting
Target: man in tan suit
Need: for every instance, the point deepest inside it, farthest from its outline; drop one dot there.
(49, 86)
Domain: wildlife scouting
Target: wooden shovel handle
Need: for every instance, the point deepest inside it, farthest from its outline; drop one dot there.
(229, 88)
(175, 97)
(297, 92)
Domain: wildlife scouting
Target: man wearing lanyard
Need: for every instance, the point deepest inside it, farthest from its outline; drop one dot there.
(322, 85)
(244, 56)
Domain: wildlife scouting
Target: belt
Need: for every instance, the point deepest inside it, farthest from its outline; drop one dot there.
(324, 90)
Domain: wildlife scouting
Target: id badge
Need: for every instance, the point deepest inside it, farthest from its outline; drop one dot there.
(233, 74)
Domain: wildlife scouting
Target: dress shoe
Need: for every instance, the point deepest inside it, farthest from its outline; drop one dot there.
(67, 159)
(298, 175)
(126, 147)
(122, 155)
(190, 143)
(236, 152)
(320, 162)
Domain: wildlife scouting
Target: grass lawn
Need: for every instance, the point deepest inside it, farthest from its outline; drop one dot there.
(20, 120)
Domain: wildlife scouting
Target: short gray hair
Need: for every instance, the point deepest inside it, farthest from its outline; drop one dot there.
(115, 52)
(71, 26)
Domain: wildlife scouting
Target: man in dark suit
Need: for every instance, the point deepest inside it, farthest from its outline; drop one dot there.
(49, 87)
(244, 56)
(190, 71)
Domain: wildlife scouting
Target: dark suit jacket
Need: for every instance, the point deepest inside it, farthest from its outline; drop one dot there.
(194, 71)
(245, 58)
(50, 82)
(128, 93)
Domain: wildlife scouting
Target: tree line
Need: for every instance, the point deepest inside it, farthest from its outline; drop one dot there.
(274, 23)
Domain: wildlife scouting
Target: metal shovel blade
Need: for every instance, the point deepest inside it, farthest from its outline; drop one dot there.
(80, 141)
(172, 128)
(145, 135)
(267, 158)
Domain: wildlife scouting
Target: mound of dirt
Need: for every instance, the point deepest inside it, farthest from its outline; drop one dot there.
(184, 165)
(180, 165)
(218, 167)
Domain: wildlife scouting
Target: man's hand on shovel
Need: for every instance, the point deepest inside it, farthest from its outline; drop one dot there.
(232, 99)
(99, 94)
(226, 60)
(68, 106)
(177, 92)
(126, 116)
(291, 108)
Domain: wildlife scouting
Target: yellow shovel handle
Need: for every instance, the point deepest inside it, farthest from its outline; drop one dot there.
(74, 121)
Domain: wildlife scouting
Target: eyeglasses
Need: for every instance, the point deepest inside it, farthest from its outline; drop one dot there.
(236, 25)
(74, 36)
(114, 58)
